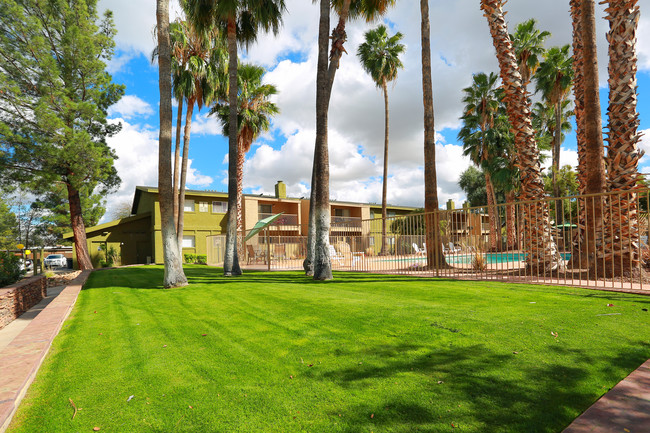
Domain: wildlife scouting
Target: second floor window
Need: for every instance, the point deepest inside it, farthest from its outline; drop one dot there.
(265, 208)
(189, 205)
(219, 206)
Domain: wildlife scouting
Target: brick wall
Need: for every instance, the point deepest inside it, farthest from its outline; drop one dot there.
(20, 297)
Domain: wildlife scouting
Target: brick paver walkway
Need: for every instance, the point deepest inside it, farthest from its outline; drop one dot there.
(22, 357)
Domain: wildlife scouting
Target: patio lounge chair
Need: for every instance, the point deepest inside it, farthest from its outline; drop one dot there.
(279, 251)
(336, 256)
(254, 256)
(347, 253)
(418, 251)
(453, 249)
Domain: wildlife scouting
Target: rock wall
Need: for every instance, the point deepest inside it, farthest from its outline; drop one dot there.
(20, 297)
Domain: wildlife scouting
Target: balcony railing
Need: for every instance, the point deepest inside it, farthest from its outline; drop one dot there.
(346, 222)
(284, 220)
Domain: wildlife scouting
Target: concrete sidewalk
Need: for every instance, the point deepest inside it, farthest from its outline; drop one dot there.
(27, 342)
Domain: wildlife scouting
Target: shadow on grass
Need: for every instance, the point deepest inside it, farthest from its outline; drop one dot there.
(546, 398)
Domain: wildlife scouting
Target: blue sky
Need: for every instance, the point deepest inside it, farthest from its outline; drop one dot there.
(356, 113)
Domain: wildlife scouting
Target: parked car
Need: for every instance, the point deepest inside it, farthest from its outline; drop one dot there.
(56, 261)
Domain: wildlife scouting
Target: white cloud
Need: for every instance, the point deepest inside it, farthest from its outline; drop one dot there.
(202, 124)
(137, 149)
(130, 106)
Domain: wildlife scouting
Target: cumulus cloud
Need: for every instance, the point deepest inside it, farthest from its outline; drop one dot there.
(130, 106)
(202, 124)
(137, 149)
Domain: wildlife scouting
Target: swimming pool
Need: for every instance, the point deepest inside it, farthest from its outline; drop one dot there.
(465, 259)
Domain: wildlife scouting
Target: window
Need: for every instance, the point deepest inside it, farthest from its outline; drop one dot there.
(219, 206)
(188, 241)
(265, 208)
(371, 241)
(372, 214)
(342, 212)
(203, 206)
(391, 214)
(188, 206)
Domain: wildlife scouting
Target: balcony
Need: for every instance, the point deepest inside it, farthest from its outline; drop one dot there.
(339, 223)
(282, 222)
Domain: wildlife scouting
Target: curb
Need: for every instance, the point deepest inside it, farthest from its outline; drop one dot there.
(21, 359)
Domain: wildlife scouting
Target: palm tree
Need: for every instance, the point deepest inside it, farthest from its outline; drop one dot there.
(435, 256)
(254, 112)
(554, 80)
(173, 276)
(317, 261)
(481, 141)
(242, 19)
(528, 43)
(379, 56)
(542, 251)
(201, 76)
(623, 155)
(591, 153)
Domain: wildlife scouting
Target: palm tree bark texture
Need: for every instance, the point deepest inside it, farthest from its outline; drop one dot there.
(542, 254)
(621, 250)
(435, 256)
(173, 275)
(231, 259)
(591, 154)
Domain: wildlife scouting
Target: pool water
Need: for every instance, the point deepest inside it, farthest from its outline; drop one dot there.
(490, 258)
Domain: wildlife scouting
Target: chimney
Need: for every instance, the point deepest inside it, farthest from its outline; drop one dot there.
(280, 190)
(450, 205)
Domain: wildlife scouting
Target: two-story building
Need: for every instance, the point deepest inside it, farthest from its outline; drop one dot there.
(137, 239)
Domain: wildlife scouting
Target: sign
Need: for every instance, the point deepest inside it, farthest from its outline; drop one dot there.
(20, 246)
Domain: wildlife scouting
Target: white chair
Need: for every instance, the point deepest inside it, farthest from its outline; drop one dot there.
(336, 256)
(453, 249)
(418, 251)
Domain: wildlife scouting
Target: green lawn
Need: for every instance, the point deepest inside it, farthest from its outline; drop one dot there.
(277, 352)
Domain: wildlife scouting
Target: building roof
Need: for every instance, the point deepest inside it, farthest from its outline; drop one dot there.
(110, 224)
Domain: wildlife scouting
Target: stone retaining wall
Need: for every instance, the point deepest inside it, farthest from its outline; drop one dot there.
(20, 297)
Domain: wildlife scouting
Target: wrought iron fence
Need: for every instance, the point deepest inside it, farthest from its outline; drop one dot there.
(598, 240)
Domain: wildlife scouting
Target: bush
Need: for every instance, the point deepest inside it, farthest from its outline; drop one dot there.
(202, 259)
(10, 271)
(189, 257)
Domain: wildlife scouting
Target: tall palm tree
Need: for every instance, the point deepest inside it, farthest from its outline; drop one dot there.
(542, 251)
(254, 112)
(379, 56)
(202, 75)
(623, 155)
(591, 159)
(435, 256)
(528, 43)
(481, 140)
(318, 261)
(173, 276)
(242, 19)
(554, 81)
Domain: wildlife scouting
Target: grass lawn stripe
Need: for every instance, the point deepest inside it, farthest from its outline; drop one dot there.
(387, 354)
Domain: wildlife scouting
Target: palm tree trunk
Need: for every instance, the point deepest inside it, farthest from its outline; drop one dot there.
(177, 157)
(511, 221)
(241, 158)
(173, 276)
(321, 215)
(543, 255)
(384, 189)
(78, 229)
(557, 147)
(231, 261)
(621, 250)
(492, 214)
(338, 39)
(308, 263)
(186, 151)
(435, 257)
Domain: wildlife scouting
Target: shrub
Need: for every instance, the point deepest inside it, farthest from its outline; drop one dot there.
(478, 262)
(202, 259)
(189, 257)
(10, 271)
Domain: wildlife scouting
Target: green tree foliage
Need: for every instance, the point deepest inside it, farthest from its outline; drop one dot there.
(10, 271)
(56, 93)
(472, 182)
(8, 224)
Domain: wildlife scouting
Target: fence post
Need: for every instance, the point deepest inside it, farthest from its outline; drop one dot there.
(268, 248)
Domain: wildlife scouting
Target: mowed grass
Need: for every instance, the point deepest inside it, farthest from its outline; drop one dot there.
(363, 353)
